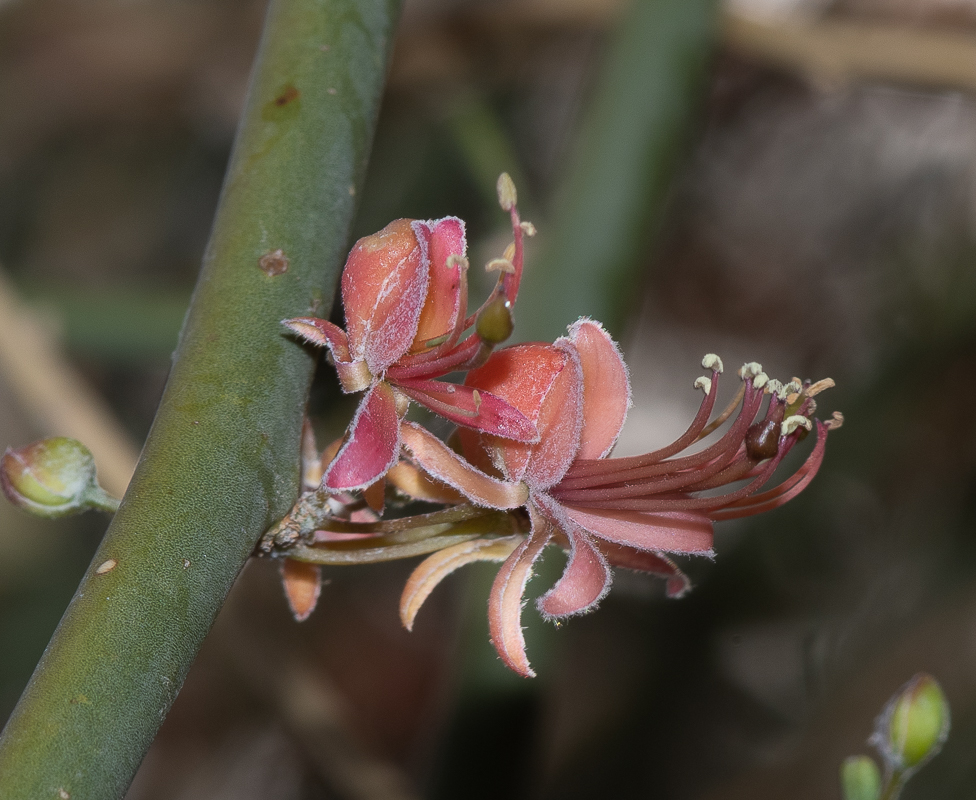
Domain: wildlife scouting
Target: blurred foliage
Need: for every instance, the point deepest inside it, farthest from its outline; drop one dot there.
(821, 229)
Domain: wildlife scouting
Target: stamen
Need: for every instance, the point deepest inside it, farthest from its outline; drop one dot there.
(507, 196)
(819, 386)
(454, 260)
(500, 265)
(528, 228)
(760, 380)
(713, 362)
(703, 383)
(835, 421)
(750, 370)
(791, 424)
(721, 418)
(775, 387)
(509, 254)
(476, 396)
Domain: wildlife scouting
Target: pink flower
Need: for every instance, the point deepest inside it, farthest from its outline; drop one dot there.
(404, 293)
(627, 512)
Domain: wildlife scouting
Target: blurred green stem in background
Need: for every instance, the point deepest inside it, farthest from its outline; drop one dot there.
(221, 462)
(638, 126)
(635, 132)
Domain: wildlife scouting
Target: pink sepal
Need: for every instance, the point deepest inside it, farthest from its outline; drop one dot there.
(606, 388)
(584, 582)
(505, 601)
(667, 531)
(446, 293)
(650, 562)
(384, 286)
(471, 408)
(439, 461)
(372, 443)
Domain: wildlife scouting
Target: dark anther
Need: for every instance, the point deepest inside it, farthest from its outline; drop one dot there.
(762, 439)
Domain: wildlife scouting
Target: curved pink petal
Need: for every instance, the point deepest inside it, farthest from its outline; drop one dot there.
(584, 582)
(447, 294)
(606, 388)
(505, 601)
(372, 443)
(560, 423)
(650, 562)
(442, 463)
(669, 532)
(471, 408)
(384, 286)
(432, 570)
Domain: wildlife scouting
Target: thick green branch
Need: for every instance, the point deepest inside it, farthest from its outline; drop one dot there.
(221, 462)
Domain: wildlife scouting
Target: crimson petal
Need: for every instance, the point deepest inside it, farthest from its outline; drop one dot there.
(372, 444)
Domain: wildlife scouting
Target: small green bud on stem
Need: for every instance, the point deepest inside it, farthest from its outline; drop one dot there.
(860, 778)
(53, 478)
(914, 724)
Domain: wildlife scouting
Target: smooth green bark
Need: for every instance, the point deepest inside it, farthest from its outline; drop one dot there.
(221, 462)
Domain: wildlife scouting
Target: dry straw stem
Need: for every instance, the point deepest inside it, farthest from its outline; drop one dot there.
(58, 399)
(838, 51)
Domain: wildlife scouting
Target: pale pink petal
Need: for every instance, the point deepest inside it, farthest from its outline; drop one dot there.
(669, 532)
(303, 584)
(372, 443)
(650, 562)
(432, 570)
(418, 485)
(321, 333)
(447, 290)
(384, 286)
(583, 584)
(438, 460)
(505, 602)
(472, 408)
(606, 388)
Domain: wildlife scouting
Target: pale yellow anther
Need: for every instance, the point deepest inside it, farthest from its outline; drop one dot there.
(703, 383)
(507, 196)
(775, 387)
(819, 386)
(500, 265)
(713, 362)
(750, 370)
(527, 228)
(790, 424)
(835, 421)
(760, 380)
(476, 396)
(454, 260)
(509, 254)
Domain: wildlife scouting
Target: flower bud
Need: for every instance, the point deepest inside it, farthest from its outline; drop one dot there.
(53, 478)
(495, 323)
(914, 725)
(860, 778)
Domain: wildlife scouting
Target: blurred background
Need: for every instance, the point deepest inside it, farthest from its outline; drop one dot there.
(788, 181)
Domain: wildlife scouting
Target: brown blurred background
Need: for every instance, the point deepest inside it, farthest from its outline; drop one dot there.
(812, 206)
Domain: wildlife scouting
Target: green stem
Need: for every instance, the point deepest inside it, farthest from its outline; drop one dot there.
(893, 786)
(221, 462)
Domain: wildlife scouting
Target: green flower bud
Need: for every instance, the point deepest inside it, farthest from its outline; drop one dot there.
(53, 478)
(494, 324)
(860, 778)
(914, 724)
